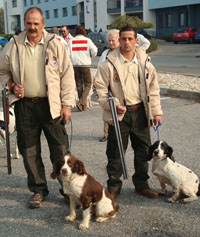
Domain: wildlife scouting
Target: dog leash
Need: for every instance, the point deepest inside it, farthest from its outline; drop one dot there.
(156, 129)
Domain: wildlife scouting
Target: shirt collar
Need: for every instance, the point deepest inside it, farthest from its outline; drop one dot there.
(123, 60)
(27, 42)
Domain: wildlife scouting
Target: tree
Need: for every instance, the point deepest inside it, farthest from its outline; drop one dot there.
(2, 30)
(135, 21)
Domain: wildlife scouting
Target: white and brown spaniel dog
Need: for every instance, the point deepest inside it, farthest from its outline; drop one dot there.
(83, 190)
(168, 171)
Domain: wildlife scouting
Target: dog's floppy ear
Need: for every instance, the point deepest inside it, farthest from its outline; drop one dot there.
(169, 153)
(79, 167)
(57, 167)
(150, 152)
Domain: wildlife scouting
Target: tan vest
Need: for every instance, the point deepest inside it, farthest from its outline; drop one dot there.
(132, 91)
(34, 72)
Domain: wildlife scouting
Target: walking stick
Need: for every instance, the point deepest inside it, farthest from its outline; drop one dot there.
(118, 133)
(6, 122)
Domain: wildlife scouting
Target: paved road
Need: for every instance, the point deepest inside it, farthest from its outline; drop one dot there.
(180, 58)
(138, 216)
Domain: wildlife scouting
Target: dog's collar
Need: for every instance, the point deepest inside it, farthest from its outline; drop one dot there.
(164, 158)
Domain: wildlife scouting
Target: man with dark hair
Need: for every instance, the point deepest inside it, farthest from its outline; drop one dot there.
(65, 33)
(81, 49)
(132, 80)
(43, 90)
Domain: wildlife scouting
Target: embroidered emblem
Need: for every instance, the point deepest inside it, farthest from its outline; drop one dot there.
(116, 77)
(55, 61)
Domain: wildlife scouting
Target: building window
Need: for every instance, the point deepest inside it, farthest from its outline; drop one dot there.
(169, 20)
(47, 14)
(39, 1)
(74, 13)
(160, 21)
(55, 13)
(14, 3)
(25, 3)
(46, 0)
(64, 11)
(31, 2)
(181, 19)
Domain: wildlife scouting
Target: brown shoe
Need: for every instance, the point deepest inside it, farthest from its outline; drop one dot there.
(36, 201)
(79, 107)
(147, 192)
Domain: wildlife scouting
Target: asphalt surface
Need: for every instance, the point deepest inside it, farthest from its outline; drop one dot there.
(137, 216)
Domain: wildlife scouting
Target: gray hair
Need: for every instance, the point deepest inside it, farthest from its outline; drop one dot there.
(113, 32)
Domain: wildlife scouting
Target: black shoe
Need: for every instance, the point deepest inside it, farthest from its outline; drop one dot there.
(103, 139)
(66, 197)
(36, 201)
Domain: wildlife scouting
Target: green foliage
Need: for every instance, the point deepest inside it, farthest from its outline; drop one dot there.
(100, 30)
(135, 21)
(167, 38)
(88, 31)
(153, 46)
(2, 21)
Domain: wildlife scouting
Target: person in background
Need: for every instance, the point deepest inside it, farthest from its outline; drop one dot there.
(113, 42)
(131, 78)
(44, 91)
(54, 30)
(81, 49)
(142, 42)
(66, 34)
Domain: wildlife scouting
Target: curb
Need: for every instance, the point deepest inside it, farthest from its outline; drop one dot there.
(180, 93)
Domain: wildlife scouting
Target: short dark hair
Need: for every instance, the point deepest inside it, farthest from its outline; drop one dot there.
(80, 30)
(128, 28)
(65, 26)
(34, 9)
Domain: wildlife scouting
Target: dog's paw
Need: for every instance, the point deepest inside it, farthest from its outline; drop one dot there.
(70, 218)
(162, 193)
(171, 200)
(101, 219)
(83, 226)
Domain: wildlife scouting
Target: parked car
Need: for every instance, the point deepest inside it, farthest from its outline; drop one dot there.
(144, 33)
(100, 40)
(3, 41)
(185, 35)
(197, 37)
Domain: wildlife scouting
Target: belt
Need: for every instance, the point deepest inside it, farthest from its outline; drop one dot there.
(36, 99)
(135, 107)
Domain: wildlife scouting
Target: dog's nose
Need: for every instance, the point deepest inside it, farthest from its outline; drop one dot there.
(155, 153)
(64, 171)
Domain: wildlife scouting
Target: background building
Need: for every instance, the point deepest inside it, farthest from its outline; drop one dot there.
(167, 15)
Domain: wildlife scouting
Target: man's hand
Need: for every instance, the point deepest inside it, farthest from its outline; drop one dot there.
(157, 119)
(66, 113)
(121, 109)
(18, 91)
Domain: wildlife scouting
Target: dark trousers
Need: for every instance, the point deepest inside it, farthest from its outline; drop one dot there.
(31, 120)
(133, 125)
(83, 83)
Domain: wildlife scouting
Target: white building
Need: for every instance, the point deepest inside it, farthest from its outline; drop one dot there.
(93, 14)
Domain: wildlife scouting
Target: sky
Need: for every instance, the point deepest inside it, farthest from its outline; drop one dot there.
(1, 3)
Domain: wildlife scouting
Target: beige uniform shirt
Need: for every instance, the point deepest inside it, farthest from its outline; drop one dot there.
(130, 71)
(34, 70)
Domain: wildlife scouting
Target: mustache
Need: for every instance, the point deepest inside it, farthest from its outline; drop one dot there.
(32, 31)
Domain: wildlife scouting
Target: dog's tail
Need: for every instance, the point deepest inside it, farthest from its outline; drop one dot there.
(198, 192)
